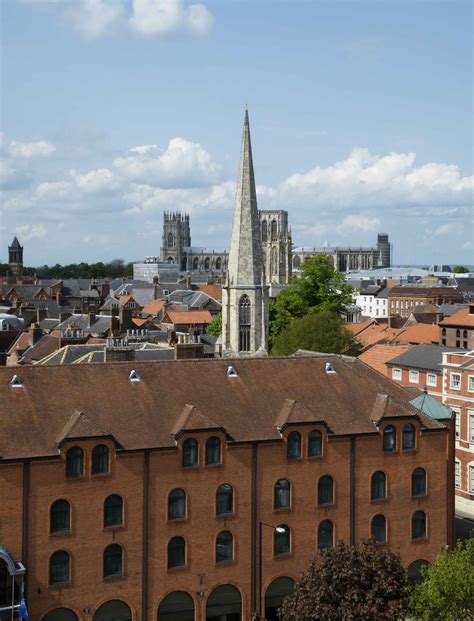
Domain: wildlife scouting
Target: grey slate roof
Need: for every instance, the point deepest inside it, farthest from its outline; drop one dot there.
(424, 356)
(447, 310)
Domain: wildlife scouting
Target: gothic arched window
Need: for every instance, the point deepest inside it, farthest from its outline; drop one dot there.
(296, 261)
(170, 240)
(274, 261)
(207, 263)
(244, 323)
(274, 230)
(195, 263)
(218, 263)
(264, 231)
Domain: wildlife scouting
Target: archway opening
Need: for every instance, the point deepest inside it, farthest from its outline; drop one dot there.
(177, 606)
(415, 570)
(61, 614)
(276, 593)
(224, 604)
(115, 610)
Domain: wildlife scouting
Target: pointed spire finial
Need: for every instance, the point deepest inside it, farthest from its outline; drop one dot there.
(246, 120)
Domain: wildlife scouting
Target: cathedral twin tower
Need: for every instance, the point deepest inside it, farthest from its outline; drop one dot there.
(244, 294)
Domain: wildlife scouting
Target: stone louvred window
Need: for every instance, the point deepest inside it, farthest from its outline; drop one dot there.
(244, 323)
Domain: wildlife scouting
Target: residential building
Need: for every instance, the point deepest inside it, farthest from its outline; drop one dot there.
(458, 394)
(202, 489)
(458, 330)
(373, 301)
(403, 300)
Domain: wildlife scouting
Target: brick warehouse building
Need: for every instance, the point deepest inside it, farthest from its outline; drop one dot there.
(200, 490)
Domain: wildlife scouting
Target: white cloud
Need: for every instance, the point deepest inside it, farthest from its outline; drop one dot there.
(182, 164)
(52, 190)
(99, 180)
(30, 231)
(93, 18)
(146, 148)
(163, 17)
(27, 150)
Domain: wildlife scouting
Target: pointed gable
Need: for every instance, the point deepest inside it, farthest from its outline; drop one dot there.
(81, 425)
(293, 412)
(192, 419)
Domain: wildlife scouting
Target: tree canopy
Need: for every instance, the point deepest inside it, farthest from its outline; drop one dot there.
(323, 331)
(447, 590)
(114, 269)
(461, 269)
(215, 326)
(356, 583)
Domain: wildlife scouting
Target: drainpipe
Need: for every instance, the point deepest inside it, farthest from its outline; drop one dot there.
(253, 539)
(26, 520)
(352, 491)
(146, 499)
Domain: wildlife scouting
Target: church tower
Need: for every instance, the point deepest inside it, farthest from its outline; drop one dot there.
(15, 257)
(245, 294)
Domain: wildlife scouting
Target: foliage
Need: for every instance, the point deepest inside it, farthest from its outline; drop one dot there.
(356, 583)
(323, 331)
(215, 326)
(447, 591)
(115, 269)
(319, 288)
(461, 269)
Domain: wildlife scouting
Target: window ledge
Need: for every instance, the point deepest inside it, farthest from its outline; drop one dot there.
(99, 475)
(180, 568)
(113, 527)
(311, 457)
(282, 510)
(113, 578)
(60, 585)
(410, 450)
(193, 467)
(213, 465)
(61, 533)
(283, 556)
(420, 540)
(379, 500)
(225, 563)
(225, 516)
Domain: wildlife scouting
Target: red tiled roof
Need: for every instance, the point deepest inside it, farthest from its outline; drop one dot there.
(143, 414)
(378, 355)
(193, 317)
(419, 333)
(154, 307)
(461, 318)
(357, 328)
(215, 291)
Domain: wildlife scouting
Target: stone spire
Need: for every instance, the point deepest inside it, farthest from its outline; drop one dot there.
(244, 294)
(245, 255)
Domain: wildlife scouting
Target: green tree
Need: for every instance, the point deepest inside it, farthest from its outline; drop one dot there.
(323, 331)
(215, 326)
(461, 269)
(356, 583)
(447, 591)
(319, 288)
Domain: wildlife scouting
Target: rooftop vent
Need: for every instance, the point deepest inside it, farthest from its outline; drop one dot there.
(16, 382)
(231, 372)
(134, 376)
(329, 368)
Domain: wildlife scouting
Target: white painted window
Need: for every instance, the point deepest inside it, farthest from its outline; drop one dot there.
(455, 381)
(396, 374)
(457, 415)
(431, 379)
(457, 474)
(414, 377)
(470, 383)
(471, 479)
(470, 418)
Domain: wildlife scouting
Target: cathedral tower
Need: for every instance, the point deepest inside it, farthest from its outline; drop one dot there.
(245, 294)
(176, 237)
(15, 257)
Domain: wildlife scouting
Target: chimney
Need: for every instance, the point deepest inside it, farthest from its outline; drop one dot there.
(118, 350)
(91, 319)
(35, 333)
(184, 350)
(63, 315)
(40, 314)
(188, 282)
(125, 319)
(58, 298)
(156, 282)
(104, 289)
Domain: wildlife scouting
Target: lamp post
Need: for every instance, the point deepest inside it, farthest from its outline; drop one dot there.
(278, 529)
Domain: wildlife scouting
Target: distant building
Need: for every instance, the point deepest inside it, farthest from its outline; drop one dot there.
(458, 330)
(403, 301)
(15, 257)
(351, 258)
(276, 246)
(373, 301)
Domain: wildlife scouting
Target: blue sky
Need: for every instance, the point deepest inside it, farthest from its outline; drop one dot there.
(113, 111)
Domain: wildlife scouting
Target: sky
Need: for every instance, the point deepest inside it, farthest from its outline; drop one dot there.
(114, 111)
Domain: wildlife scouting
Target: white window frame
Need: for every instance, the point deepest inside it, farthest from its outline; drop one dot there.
(470, 426)
(413, 374)
(431, 383)
(457, 423)
(457, 474)
(470, 478)
(397, 372)
(470, 383)
(451, 382)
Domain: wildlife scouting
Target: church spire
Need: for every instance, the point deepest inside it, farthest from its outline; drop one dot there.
(245, 255)
(244, 295)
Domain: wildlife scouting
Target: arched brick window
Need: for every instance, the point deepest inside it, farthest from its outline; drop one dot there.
(224, 546)
(325, 490)
(224, 499)
(176, 504)
(315, 443)
(378, 529)
(293, 447)
(113, 510)
(100, 459)
(282, 494)
(176, 553)
(190, 453)
(213, 451)
(59, 567)
(113, 560)
(60, 516)
(378, 485)
(408, 439)
(75, 462)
